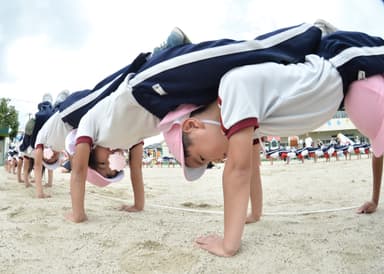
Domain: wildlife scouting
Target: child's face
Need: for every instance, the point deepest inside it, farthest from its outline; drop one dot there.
(53, 159)
(101, 155)
(208, 145)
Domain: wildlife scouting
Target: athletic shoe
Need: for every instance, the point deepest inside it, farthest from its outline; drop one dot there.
(61, 97)
(176, 38)
(325, 27)
(47, 97)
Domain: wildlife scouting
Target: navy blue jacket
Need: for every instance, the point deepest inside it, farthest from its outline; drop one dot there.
(191, 73)
(74, 108)
(356, 55)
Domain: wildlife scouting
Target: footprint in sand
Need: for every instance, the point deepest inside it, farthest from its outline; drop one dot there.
(193, 205)
(152, 256)
(40, 228)
(16, 212)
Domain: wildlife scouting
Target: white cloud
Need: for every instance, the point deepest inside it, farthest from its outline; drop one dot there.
(111, 33)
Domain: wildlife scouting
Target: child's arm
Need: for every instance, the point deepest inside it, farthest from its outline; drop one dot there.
(50, 178)
(79, 166)
(377, 170)
(256, 188)
(135, 165)
(236, 184)
(38, 170)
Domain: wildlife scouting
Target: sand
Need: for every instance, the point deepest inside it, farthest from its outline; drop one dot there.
(309, 224)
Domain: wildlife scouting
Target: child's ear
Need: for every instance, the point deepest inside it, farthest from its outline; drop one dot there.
(191, 123)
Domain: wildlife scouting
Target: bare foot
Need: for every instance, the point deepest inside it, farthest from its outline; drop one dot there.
(43, 195)
(48, 185)
(252, 219)
(78, 219)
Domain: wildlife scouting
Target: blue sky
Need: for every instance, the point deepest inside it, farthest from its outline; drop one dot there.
(49, 45)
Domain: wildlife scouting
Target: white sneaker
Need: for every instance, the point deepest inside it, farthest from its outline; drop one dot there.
(325, 27)
(47, 97)
(61, 96)
(176, 38)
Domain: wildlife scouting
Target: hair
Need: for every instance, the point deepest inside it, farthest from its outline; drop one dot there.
(53, 160)
(92, 163)
(187, 142)
(92, 160)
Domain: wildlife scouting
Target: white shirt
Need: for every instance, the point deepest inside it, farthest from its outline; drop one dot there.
(52, 134)
(280, 100)
(118, 121)
(308, 142)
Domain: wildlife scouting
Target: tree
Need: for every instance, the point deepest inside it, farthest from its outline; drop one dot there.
(8, 117)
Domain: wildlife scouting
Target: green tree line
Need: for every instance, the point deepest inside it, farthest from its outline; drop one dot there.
(8, 117)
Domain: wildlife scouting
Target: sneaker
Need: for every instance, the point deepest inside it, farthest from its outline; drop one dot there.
(61, 97)
(325, 27)
(47, 97)
(176, 38)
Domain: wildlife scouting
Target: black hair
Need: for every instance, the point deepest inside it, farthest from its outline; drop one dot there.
(92, 163)
(187, 142)
(92, 160)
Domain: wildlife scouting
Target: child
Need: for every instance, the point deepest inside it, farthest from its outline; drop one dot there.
(106, 166)
(46, 126)
(364, 106)
(48, 146)
(175, 76)
(45, 110)
(12, 156)
(48, 138)
(254, 103)
(28, 161)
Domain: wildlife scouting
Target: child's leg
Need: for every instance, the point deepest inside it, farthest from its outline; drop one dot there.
(14, 165)
(26, 172)
(7, 166)
(31, 163)
(19, 169)
(256, 193)
(50, 178)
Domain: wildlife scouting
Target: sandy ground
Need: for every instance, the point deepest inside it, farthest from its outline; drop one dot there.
(309, 225)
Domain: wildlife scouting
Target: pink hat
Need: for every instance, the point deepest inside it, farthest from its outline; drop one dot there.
(52, 166)
(364, 105)
(171, 126)
(97, 179)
